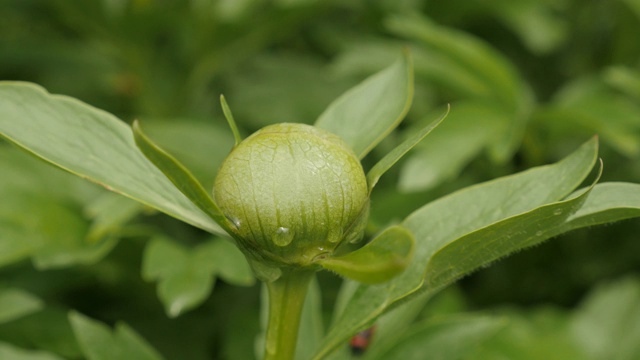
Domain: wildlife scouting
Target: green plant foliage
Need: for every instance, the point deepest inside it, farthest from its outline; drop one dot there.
(99, 342)
(83, 152)
(15, 303)
(186, 276)
(527, 83)
(358, 123)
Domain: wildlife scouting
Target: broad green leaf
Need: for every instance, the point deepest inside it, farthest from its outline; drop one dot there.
(178, 174)
(92, 144)
(483, 246)
(606, 323)
(443, 221)
(99, 342)
(448, 338)
(186, 276)
(10, 352)
(470, 128)
(16, 303)
(608, 202)
(386, 256)
(396, 154)
(367, 113)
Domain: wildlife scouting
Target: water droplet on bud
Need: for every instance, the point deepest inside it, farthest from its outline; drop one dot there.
(282, 237)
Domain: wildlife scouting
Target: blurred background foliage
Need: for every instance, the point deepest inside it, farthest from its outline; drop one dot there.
(527, 80)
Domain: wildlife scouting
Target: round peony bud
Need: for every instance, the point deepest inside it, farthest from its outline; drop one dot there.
(292, 192)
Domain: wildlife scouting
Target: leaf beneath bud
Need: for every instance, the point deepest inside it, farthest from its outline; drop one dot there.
(383, 258)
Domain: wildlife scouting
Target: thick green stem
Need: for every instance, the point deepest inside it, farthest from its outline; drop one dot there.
(286, 299)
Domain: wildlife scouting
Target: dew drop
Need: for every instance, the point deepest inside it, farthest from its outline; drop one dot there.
(282, 237)
(235, 221)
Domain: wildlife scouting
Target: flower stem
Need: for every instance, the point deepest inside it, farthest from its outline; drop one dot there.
(286, 299)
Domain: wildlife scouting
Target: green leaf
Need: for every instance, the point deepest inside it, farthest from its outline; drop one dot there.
(469, 65)
(483, 246)
(109, 213)
(16, 303)
(179, 175)
(186, 276)
(448, 338)
(443, 221)
(99, 342)
(367, 113)
(201, 145)
(386, 256)
(10, 352)
(396, 154)
(606, 324)
(543, 333)
(47, 329)
(470, 128)
(92, 144)
(232, 123)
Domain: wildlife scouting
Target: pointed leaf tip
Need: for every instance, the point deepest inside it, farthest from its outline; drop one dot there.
(229, 116)
(397, 153)
(383, 258)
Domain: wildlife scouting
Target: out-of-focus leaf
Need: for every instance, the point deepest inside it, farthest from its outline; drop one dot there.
(397, 153)
(387, 255)
(90, 143)
(623, 78)
(448, 338)
(367, 113)
(48, 330)
(467, 64)
(186, 276)
(606, 324)
(443, 221)
(535, 22)
(9, 352)
(587, 105)
(16, 303)
(179, 175)
(470, 128)
(99, 342)
(531, 335)
(109, 212)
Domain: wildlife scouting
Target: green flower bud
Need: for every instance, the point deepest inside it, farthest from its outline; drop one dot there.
(292, 193)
